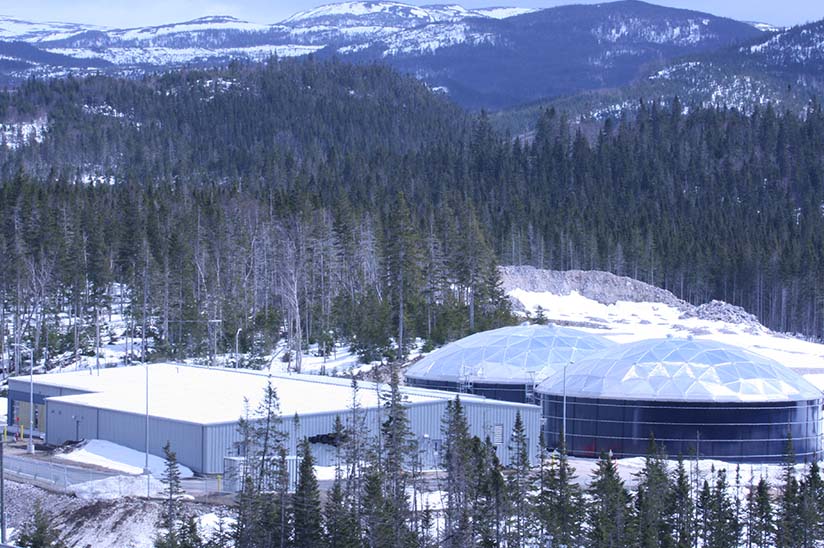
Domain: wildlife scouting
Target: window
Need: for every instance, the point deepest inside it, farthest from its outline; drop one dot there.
(498, 434)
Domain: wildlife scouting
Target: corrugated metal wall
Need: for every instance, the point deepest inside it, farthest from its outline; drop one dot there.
(486, 419)
(66, 420)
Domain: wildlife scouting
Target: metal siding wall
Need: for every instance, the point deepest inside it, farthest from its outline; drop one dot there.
(62, 427)
(129, 430)
(125, 429)
(220, 439)
(484, 416)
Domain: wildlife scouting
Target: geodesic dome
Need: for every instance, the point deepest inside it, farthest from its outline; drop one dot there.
(687, 370)
(523, 354)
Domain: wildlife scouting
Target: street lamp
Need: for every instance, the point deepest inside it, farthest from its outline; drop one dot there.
(30, 447)
(564, 424)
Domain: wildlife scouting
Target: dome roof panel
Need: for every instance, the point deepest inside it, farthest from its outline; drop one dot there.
(509, 355)
(681, 370)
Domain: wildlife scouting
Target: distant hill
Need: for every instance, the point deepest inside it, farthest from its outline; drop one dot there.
(784, 69)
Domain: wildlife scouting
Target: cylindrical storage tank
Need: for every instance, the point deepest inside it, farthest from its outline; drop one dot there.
(503, 364)
(696, 397)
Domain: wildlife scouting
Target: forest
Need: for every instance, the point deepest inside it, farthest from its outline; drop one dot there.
(328, 203)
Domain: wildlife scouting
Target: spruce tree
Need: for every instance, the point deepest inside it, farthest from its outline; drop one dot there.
(653, 505)
(457, 532)
(811, 495)
(306, 508)
(39, 533)
(789, 531)
(558, 502)
(172, 490)
(609, 508)
(518, 486)
(760, 519)
(683, 508)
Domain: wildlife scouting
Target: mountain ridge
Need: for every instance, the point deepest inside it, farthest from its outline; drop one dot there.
(467, 53)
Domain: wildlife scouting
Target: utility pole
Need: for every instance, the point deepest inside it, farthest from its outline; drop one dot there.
(237, 347)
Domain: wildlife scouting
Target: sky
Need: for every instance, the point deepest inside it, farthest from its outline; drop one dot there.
(133, 13)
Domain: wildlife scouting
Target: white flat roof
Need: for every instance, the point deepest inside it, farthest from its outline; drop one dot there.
(214, 395)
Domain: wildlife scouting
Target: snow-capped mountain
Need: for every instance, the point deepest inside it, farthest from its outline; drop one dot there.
(27, 31)
(491, 57)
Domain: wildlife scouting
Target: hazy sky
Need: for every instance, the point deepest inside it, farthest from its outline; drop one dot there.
(122, 13)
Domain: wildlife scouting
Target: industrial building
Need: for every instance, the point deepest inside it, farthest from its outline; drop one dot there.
(504, 364)
(696, 397)
(197, 410)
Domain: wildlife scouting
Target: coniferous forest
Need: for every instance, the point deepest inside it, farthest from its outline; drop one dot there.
(328, 203)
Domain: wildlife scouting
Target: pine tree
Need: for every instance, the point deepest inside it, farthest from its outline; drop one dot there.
(558, 502)
(518, 486)
(457, 532)
(609, 508)
(339, 520)
(377, 525)
(723, 527)
(490, 506)
(39, 533)
(306, 508)
(811, 495)
(760, 524)
(398, 449)
(683, 508)
(653, 501)
(172, 490)
(789, 527)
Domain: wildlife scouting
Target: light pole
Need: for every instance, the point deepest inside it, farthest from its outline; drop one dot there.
(237, 347)
(146, 462)
(564, 424)
(2, 490)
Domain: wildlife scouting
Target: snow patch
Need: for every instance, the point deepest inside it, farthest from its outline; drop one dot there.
(122, 459)
(15, 135)
(623, 321)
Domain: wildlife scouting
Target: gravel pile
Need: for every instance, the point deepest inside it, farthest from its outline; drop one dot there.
(719, 311)
(602, 287)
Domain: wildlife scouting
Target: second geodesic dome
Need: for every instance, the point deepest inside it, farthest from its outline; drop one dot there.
(695, 396)
(503, 363)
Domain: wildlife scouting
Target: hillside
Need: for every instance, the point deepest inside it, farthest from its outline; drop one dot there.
(782, 69)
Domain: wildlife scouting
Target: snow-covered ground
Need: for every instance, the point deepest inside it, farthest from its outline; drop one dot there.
(122, 459)
(626, 321)
(118, 487)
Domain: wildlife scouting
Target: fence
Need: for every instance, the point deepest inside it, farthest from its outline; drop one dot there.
(66, 478)
(56, 475)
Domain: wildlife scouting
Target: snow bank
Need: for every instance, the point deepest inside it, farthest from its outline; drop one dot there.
(117, 487)
(116, 457)
(208, 524)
